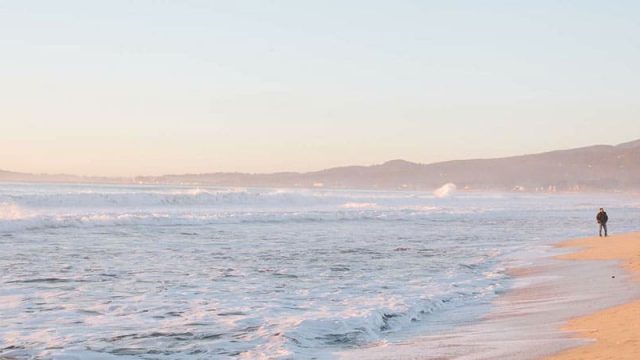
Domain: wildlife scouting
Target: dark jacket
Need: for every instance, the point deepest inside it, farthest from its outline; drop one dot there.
(602, 217)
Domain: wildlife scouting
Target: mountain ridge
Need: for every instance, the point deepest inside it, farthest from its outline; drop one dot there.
(596, 167)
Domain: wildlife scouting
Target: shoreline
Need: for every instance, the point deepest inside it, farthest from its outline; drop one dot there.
(540, 315)
(613, 332)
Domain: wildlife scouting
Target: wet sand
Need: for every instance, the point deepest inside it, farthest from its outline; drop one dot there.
(615, 332)
(529, 320)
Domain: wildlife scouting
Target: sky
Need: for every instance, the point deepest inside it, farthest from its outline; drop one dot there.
(122, 88)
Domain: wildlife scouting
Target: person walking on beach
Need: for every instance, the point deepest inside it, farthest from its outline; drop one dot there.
(602, 219)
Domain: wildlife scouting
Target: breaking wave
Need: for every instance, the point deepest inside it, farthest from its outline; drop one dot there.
(78, 207)
(11, 211)
(360, 205)
(191, 197)
(445, 190)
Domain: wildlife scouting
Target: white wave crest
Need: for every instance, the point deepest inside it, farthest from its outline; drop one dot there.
(360, 205)
(11, 211)
(188, 197)
(445, 190)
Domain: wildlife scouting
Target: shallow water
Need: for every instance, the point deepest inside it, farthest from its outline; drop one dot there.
(158, 272)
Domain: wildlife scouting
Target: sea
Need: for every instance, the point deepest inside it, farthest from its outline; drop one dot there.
(193, 272)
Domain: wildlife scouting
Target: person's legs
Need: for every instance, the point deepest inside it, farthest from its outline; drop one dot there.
(600, 229)
(605, 229)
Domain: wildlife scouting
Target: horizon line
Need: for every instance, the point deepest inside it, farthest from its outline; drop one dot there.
(311, 171)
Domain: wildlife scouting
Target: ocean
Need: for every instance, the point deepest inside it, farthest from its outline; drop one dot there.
(186, 272)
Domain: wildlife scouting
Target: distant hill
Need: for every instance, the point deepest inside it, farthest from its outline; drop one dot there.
(600, 167)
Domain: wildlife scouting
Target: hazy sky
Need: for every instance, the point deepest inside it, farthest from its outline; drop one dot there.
(150, 87)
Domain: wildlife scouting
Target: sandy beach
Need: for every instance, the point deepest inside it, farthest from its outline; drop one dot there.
(615, 331)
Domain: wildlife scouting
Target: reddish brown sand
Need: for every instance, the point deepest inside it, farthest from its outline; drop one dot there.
(615, 331)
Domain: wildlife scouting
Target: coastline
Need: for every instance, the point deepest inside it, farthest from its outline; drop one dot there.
(614, 332)
(540, 316)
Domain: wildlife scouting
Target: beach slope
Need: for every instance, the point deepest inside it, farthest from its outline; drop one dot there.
(615, 331)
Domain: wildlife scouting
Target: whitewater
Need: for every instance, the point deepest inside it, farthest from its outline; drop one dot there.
(182, 272)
